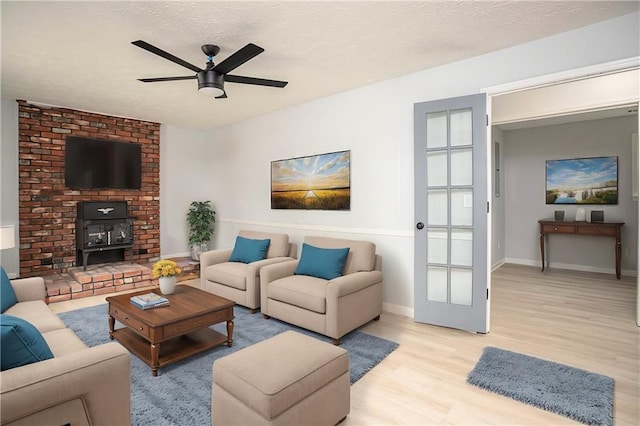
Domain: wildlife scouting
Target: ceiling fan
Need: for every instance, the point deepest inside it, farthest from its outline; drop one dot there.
(211, 79)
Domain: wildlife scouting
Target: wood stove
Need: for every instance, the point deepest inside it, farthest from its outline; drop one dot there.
(103, 226)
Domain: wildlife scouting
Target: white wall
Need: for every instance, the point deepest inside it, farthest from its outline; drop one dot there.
(9, 258)
(376, 124)
(183, 167)
(525, 152)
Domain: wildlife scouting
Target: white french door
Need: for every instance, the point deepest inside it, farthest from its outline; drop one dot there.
(451, 211)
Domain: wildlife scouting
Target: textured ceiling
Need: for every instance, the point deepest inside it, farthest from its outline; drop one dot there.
(79, 54)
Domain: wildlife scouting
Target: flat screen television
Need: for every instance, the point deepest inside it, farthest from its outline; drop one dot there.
(101, 164)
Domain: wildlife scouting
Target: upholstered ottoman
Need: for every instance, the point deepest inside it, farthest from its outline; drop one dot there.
(289, 379)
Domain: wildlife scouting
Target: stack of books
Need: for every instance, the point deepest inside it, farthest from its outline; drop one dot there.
(149, 300)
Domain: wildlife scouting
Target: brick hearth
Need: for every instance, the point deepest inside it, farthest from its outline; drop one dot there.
(108, 278)
(98, 279)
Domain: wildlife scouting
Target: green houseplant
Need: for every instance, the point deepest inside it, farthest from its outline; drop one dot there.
(200, 218)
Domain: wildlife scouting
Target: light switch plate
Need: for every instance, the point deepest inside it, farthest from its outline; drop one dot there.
(467, 200)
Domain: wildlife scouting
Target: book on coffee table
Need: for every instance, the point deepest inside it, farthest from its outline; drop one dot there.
(157, 305)
(149, 300)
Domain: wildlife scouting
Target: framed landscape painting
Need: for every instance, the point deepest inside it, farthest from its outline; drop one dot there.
(582, 181)
(316, 182)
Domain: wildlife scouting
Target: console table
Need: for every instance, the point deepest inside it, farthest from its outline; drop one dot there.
(598, 229)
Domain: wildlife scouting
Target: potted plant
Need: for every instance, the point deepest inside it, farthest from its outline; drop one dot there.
(200, 218)
(166, 270)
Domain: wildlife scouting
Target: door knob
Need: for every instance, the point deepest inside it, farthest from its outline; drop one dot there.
(420, 225)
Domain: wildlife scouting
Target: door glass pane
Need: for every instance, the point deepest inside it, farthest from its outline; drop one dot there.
(437, 284)
(437, 210)
(437, 246)
(437, 168)
(437, 129)
(462, 247)
(462, 167)
(462, 207)
(461, 286)
(461, 125)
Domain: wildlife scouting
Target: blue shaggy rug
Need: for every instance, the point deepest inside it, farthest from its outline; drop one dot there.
(574, 393)
(181, 393)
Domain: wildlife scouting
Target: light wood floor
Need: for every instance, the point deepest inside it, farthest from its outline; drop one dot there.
(581, 319)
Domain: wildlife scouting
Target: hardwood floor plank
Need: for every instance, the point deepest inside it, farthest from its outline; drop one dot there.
(581, 319)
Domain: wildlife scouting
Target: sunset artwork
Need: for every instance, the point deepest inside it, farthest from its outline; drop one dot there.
(317, 182)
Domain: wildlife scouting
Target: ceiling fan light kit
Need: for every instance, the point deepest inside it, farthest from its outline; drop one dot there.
(211, 79)
(210, 83)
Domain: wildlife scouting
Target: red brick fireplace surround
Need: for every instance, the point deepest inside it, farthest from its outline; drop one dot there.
(47, 209)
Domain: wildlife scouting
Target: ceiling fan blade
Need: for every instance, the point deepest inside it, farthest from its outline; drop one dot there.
(253, 80)
(223, 96)
(238, 58)
(152, 80)
(150, 48)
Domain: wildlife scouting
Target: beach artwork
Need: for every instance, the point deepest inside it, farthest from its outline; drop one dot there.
(582, 181)
(316, 182)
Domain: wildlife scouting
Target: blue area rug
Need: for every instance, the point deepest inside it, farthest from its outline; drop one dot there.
(572, 392)
(181, 393)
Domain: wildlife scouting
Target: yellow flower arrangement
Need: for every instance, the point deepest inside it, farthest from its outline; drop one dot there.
(165, 268)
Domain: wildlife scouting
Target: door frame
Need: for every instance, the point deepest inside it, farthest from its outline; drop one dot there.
(559, 78)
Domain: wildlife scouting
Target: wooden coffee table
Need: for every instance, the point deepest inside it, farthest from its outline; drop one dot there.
(160, 336)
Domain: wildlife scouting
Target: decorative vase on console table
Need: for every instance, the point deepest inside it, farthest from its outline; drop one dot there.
(167, 284)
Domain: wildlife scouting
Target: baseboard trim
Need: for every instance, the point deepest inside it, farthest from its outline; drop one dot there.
(571, 267)
(405, 311)
(172, 255)
(498, 264)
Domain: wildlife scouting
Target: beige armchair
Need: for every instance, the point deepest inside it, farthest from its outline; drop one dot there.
(332, 307)
(239, 281)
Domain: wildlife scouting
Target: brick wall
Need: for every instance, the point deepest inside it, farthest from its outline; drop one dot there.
(47, 209)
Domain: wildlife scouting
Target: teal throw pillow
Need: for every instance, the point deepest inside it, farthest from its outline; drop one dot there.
(7, 295)
(20, 343)
(321, 262)
(247, 250)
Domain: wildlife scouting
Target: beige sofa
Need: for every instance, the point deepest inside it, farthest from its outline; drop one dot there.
(79, 386)
(330, 307)
(238, 281)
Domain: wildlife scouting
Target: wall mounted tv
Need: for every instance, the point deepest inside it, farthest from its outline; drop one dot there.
(101, 164)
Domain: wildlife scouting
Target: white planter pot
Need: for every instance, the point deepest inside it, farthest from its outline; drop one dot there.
(197, 250)
(167, 285)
